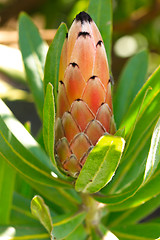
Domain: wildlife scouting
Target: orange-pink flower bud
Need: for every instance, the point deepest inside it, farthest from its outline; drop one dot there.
(84, 104)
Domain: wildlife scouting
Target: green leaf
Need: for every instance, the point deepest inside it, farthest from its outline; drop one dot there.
(131, 80)
(114, 200)
(34, 52)
(22, 187)
(23, 233)
(139, 124)
(147, 231)
(152, 83)
(20, 149)
(144, 121)
(101, 164)
(41, 211)
(49, 121)
(65, 227)
(51, 71)
(154, 153)
(136, 146)
(134, 215)
(7, 181)
(144, 194)
(120, 132)
(136, 193)
(61, 197)
(101, 12)
(20, 212)
(18, 218)
(78, 233)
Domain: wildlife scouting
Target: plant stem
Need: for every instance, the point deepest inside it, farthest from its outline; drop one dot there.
(93, 214)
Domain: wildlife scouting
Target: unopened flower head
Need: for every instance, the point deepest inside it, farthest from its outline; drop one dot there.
(84, 104)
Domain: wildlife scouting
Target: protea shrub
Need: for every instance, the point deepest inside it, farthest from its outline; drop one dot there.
(84, 102)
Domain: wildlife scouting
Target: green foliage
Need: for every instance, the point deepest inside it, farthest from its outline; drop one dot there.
(66, 226)
(148, 231)
(7, 180)
(51, 72)
(154, 153)
(41, 211)
(131, 76)
(49, 121)
(121, 171)
(34, 51)
(98, 169)
(24, 153)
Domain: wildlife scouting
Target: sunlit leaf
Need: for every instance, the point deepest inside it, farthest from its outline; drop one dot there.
(51, 71)
(134, 215)
(41, 211)
(137, 148)
(132, 164)
(34, 52)
(49, 121)
(101, 164)
(154, 153)
(7, 181)
(144, 194)
(148, 231)
(23, 233)
(20, 149)
(120, 132)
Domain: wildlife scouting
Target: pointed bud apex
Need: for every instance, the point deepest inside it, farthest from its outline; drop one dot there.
(84, 110)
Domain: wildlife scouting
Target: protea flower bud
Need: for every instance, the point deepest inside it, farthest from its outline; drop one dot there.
(84, 104)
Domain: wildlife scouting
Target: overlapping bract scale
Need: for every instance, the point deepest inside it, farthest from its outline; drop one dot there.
(84, 104)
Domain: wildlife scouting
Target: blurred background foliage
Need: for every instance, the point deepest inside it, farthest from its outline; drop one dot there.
(136, 26)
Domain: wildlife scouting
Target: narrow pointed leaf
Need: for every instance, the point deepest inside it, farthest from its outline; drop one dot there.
(41, 211)
(139, 124)
(137, 146)
(134, 215)
(23, 233)
(48, 122)
(101, 12)
(154, 84)
(21, 213)
(51, 72)
(101, 164)
(62, 198)
(120, 132)
(131, 80)
(20, 149)
(135, 193)
(144, 194)
(148, 231)
(65, 227)
(78, 233)
(34, 52)
(154, 153)
(7, 180)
